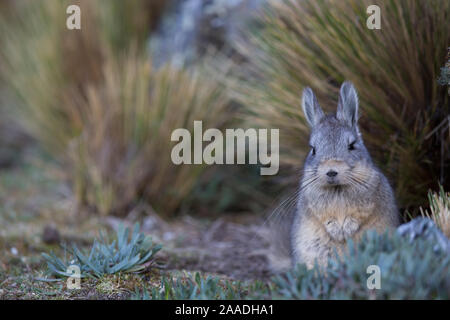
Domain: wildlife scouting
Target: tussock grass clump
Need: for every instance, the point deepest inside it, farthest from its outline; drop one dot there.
(94, 101)
(123, 153)
(439, 210)
(49, 66)
(322, 43)
(128, 21)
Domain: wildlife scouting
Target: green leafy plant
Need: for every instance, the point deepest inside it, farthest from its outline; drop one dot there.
(199, 287)
(408, 270)
(121, 255)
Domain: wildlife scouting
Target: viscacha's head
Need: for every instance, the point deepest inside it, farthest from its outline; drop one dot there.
(337, 158)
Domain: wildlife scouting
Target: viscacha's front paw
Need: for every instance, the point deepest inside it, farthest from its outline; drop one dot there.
(334, 230)
(350, 227)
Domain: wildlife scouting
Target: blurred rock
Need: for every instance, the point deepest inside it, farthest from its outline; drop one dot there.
(50, 235)
(425, 228)
(193, 27)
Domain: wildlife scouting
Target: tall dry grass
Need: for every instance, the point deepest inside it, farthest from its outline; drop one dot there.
(123, 152)
(322, 43)
(51, 65)
(92, 98)
(439, 210)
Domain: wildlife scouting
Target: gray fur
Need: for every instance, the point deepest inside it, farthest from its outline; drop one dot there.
(347, 109)
(311, 108)
(337, 146)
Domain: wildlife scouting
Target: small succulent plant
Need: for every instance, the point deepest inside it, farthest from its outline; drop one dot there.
(121, 255)
(408, 270)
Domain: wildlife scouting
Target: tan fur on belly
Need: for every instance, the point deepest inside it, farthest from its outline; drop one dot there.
(339, 209)
(313, 239)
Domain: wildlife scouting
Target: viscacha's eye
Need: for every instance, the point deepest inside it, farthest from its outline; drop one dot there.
(313, 150)
(351, 145)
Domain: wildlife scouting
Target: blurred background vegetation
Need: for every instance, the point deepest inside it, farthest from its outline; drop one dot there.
(86, 118)
(103, 101)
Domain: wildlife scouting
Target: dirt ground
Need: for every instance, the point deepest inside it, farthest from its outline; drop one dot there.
(235, 247)
(37, 213)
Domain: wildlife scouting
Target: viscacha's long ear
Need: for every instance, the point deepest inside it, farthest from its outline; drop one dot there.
(347, 109)
(311, 107)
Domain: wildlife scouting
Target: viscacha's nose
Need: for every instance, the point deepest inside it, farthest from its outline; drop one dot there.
(332, 173)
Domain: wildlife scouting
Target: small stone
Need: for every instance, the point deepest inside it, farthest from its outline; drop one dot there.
(50, 235)
(425, 228)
